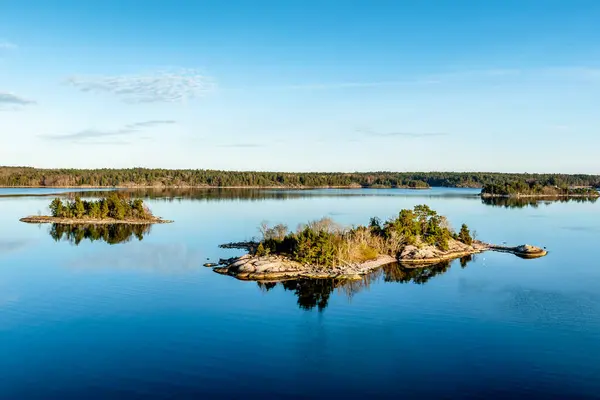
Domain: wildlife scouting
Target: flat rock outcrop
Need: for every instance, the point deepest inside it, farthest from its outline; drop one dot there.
(523, 251)
(427, 254)
(250, 267)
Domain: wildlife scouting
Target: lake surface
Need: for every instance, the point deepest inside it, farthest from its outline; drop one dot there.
(142, 317)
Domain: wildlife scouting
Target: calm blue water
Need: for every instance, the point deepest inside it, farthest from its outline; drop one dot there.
(145, 319)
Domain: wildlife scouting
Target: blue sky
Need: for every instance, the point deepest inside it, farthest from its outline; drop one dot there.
(301, 85)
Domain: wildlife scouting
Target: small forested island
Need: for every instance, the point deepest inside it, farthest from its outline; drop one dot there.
(323, 249)
(115, 208)
(521, 188)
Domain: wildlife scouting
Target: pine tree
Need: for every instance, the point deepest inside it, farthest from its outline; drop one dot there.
(79, 208)
(465, 235)
(57, 208)
(104, 209)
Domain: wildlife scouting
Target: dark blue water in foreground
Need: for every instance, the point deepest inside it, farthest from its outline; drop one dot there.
(145, 319)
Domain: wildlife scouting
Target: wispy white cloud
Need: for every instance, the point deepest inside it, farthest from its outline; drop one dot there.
(241, 145)
(168, 86)
(414, 135)
(85, 135)
(579, 73)
(342, 85)
(5, 45)
(561, 127)
(590, 74)
(13, 100)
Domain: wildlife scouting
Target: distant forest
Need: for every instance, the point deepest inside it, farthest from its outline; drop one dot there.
(143, 177)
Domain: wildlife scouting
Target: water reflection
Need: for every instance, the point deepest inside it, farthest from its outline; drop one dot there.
(522, 202)
(8, 246)
(109, 233)
(248, 194)
(315, 293)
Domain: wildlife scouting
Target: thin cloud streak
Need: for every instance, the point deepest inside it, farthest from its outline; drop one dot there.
(4, 45)
(242, 145)
(423, 80)
(82, 136)
(158, 87)
(591, 74)
(14, 100)
(415, 135)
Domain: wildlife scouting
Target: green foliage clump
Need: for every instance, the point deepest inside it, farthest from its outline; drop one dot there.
(324, 243)
(115, 205)
(465, 235)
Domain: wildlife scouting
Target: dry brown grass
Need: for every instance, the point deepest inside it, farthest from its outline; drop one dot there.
(362, 245)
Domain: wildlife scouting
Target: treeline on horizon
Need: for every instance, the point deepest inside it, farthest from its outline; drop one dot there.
(34, 177)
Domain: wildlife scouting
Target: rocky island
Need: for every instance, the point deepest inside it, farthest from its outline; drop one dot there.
(116, 208)
(322, 249)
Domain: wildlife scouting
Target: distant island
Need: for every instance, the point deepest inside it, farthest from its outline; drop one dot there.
(199, 178)
(323, 249)
(521, 188)
(114, 209)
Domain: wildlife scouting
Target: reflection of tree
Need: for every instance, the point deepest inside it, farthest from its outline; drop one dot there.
(249, 194)
(109, 233)
(465, 260)
(313, 293)
(209, 194)
(418, 275)
(266, 286)
(522, 202)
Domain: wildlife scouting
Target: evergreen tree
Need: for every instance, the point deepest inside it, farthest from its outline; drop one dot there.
(57, 208)
(79, 208)
(104, 211)
(465, 235)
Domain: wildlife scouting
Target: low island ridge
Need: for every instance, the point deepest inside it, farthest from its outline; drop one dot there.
(323, 249)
